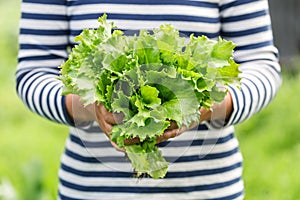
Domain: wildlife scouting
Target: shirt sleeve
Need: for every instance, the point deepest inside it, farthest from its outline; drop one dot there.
(43, 43)
(247, 23)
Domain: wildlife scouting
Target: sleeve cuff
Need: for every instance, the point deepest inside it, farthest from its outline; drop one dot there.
(67, 118)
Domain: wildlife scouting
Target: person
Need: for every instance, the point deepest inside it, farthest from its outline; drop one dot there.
(205, 163)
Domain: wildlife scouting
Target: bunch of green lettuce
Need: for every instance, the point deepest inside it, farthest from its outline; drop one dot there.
(153, 79)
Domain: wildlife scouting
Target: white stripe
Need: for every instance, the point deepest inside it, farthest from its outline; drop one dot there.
(137, 25)
(246, 24)
(200, 150)
(226, 191)
(43, 9)
(60, 104)
(54, 63)
(189, 135)
(245, 9)
(86, 167)
(42, 82)
(46, 52)
(44, 104)
(45, 40)
(170, 182)
(29, 80)
(251, 54)
(144, 10)
(93, 152)
(173, 167)
(253, 38)
(44, 24)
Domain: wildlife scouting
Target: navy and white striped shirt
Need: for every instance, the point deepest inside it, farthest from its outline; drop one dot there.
(205, 163)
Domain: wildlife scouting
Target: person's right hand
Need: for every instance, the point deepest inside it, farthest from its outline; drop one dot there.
(107, 120)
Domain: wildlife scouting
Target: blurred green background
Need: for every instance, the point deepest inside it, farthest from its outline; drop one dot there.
(30, 146)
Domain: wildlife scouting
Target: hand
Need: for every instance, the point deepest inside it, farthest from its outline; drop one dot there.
(221, 110)
(106, 121)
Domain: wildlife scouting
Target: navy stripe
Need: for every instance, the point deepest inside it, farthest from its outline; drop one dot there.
(156, 189)
(210, 156)
(182, 143)
(23, 74)
(28, 88)
(197, 142)
(41, 98)
(265, 89)
(243, 17)
(271, 88)
(169, 175)
(39, 58)
(103, 159)
(97, 174)
(170, 159)
(48, 104)
(237, 119)
(262, 59)
(26, 97)
(47, 17)
(251, 101)
(96, 129)
(235, 3)
(230, 197)
(42, 47)
(147, 2)
(52, 2)
(236, 103)
(34, 91)
(57, 110)
(62, 197)
(246, 32)
(182, 33)
(88, 144)
(18, 81)
(65, 113)
(254, 46)
(41, 103)
(25, 31)
(244, 104)
(251, 97)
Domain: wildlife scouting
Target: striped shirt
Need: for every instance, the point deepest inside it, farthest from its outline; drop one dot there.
(205, 163)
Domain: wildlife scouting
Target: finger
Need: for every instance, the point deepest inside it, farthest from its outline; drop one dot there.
(107, 116)
(118, 117)
(169, 133)
(103, 114)
(135, 140)
(173, 125)
(116, 147)
(105, 127)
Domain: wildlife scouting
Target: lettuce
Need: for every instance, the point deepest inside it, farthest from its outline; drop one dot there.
(152, 78)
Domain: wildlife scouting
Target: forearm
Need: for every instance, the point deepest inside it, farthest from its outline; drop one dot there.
(43, 43)
(77, 112)
(248, 24)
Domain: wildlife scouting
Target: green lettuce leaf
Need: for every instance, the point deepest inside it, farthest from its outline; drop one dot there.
(152, 78)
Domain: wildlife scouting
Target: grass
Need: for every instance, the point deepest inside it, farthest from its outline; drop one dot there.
(270, 144)
(30, 147)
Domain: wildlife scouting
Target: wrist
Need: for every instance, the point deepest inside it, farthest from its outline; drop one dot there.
(218, 111)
